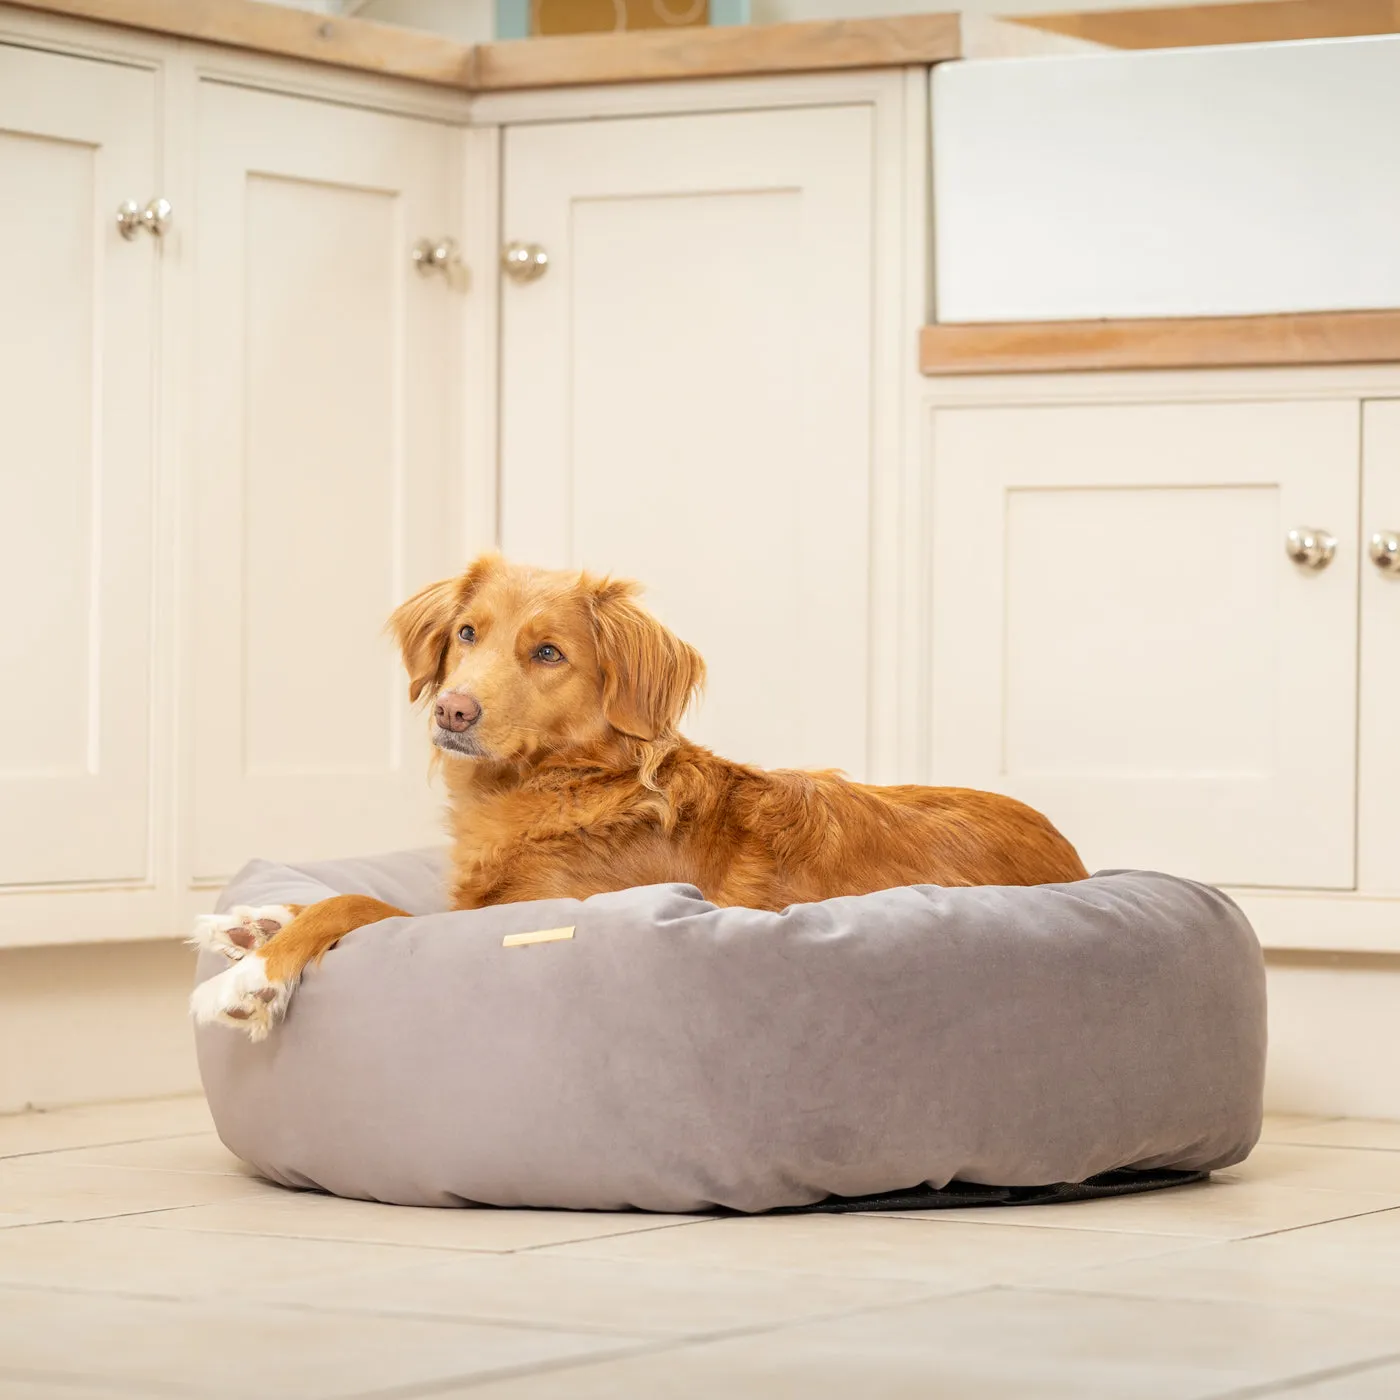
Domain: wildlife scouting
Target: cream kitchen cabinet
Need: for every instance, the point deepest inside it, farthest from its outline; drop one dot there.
(194, 659)
(1378, 812)
(687, 393)
(1120, 639)
(326, 409)
(78, 392)
(1118, 633)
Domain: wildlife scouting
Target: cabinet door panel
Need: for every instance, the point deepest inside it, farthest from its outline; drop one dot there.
(1378, 863)
(325, 410)
(686, 399)
(1120, 639)
(77, 396)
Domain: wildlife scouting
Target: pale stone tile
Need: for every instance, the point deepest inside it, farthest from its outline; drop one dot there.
(1278, 1127)
(1350, 1264)
(198, 1152)
(1218, 1209)
(1002, 1344)
(103, 1123)
(675, 1298)
(1358, 1383)
(1326, 1168)
(1376, 1134)
(115, 1256)
(44, 1188)
(236, 1349)
(308, 1215)
(948, 1256)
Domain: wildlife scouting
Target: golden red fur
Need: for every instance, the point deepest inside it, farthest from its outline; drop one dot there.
(575, 779)
(556, 705)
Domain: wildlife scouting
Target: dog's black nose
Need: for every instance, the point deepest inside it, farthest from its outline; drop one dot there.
(456, 711)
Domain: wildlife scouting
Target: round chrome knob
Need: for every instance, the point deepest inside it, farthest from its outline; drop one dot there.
(1309, 548)
(155, 217)
(524, 262)
(1385, 551)
(439, 255)
(132, 218)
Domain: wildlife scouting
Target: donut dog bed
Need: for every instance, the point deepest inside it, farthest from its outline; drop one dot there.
(649, 1050)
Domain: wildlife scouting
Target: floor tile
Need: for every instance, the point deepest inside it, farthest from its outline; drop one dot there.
(626, 1296)
(1350, 1264)
(307, 1215)
(1001, 1343)
(42, 1188)
(1221, 1209)
(116, 1256)
(1278, 1127)
(14, 1387)
(1344, 1132)
(1356, 1383)
(1326, 1168)
(947, 1256)
(102, 1123)
(196, 1152)
(178, 1349)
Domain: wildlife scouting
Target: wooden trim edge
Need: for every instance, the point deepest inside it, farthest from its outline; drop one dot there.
(1195, 342)
(1194, 26)
(576, 60)
(658, 55)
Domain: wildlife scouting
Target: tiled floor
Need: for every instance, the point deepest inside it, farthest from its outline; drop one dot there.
(137, 1258)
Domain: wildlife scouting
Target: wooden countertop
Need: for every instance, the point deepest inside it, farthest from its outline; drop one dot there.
(643, 56)
(1182, 342)
(1192, 26)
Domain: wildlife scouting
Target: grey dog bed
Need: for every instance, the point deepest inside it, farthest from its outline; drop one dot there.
(673, 1056)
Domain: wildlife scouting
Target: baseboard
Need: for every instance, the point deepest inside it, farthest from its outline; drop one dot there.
(92, 1024)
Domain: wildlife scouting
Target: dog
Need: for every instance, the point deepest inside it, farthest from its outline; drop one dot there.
(556, 700)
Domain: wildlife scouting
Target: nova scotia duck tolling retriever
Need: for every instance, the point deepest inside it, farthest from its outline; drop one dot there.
(555, 701)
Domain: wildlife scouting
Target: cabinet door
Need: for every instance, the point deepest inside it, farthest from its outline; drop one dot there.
(1378, 863)
(77, 396)
(686, 399)
(1120, 639)
(325, 397)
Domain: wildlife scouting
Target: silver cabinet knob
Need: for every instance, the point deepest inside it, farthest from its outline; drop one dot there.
(154, 218)
(1385, 551)
(440, 256)
(524, 262)
(1310, 548)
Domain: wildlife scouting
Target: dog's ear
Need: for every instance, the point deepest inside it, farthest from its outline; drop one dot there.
(649, 674)
(423, 625)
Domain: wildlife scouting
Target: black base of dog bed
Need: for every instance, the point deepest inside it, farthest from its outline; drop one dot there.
(960, 1195)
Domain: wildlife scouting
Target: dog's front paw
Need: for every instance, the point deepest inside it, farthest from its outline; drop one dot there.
(244, 997)
(243, 930)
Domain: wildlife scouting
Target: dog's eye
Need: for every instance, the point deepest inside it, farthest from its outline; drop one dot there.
(467, 633)
(550, 655)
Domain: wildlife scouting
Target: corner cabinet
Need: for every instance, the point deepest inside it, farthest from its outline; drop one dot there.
(297, 384)
(1165, 609)
(224, 332)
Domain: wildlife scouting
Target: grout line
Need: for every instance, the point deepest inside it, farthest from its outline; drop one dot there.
(615, 1235)
(1307, 1378)
(89, 1381)
(659, 1346)
(98, 1146)
(1328, 1147)
(1318, 1224)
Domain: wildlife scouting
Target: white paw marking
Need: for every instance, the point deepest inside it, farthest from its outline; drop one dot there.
(243, 930)
(242, 997)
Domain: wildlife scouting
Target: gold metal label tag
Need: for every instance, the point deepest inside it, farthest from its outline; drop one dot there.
(544, 935)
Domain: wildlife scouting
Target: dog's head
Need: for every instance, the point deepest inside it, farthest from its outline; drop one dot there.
(524, 663)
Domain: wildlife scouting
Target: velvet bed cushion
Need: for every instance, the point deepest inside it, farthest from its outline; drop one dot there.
(673, 1056)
